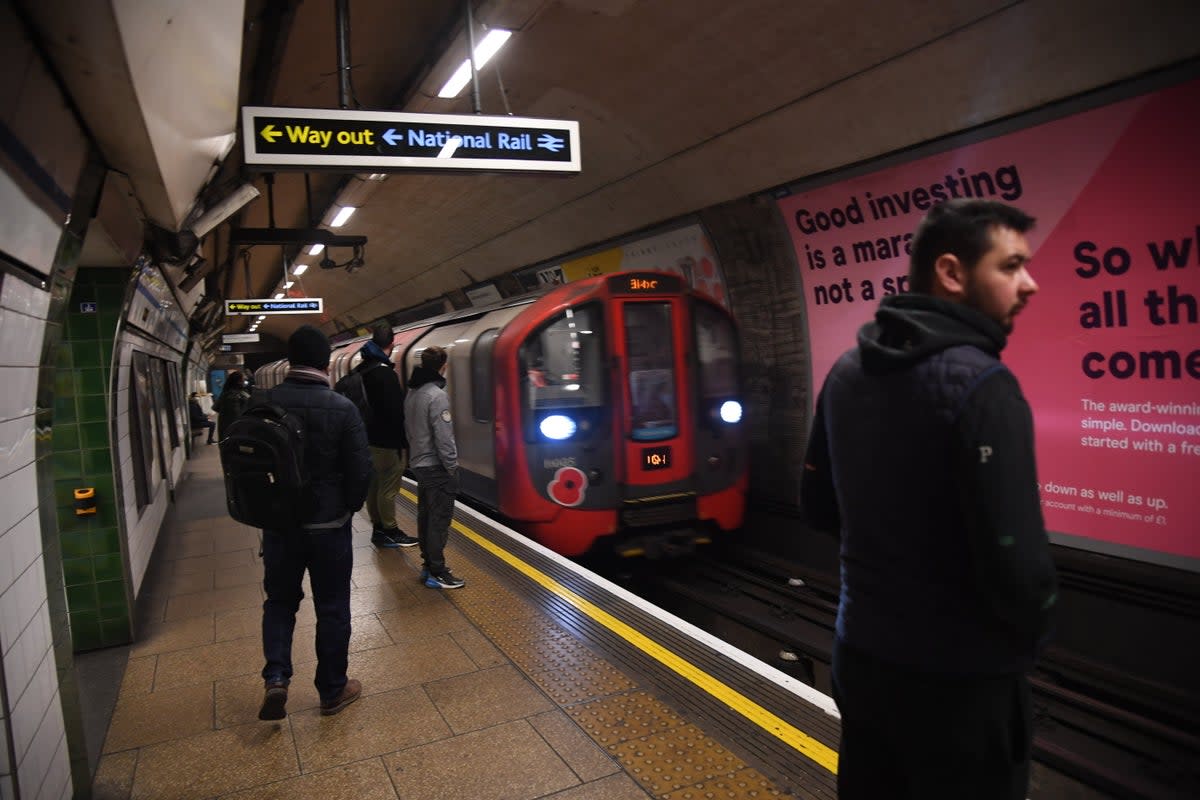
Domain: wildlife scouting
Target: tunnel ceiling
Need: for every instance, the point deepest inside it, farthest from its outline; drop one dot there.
(682, 104)
(672, 100)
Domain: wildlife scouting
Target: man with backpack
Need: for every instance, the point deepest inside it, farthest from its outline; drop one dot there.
(375, 388)
(336, 464)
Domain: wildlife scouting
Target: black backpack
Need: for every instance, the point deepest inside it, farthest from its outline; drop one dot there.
(262, 456)
(352, 387)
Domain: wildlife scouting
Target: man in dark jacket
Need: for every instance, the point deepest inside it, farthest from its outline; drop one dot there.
(922, 455)
(385, 434)
(232, 402)
(338, 465)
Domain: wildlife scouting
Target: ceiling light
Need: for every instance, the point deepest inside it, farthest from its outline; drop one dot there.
(316, 249)
(288, 284)
(299, 269)
(377, 176)
(340, 218)
(224, 209)
(484, 51)
(449, 147)
(279, 296)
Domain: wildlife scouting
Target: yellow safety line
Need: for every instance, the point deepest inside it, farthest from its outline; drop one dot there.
(772, 724)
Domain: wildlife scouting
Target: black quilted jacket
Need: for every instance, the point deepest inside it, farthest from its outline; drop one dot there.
(339, 464)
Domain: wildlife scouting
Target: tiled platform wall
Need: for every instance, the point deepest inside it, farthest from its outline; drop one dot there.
(30, 673)
(93, 568)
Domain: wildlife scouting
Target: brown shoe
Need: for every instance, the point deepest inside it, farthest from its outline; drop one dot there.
(350, 693)
(274, 701)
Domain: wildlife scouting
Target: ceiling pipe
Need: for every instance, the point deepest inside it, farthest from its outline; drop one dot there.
(471, 55)
(343, 52)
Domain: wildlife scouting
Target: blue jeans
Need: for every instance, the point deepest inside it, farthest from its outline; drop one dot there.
(328, 556)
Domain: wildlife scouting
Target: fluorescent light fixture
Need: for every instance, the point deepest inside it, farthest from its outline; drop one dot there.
(377, 176)
(224, 209)
(340, 218)
(449, 147)
(484, 51)
(299, 269)
(279, 296)
(288, 284)
(316, 249)
(262, 317)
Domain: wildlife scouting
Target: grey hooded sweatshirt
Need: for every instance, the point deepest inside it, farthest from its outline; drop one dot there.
(427, 422)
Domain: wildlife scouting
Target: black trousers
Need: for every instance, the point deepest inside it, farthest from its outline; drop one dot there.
(329, 557)
(436, 490)
(913, 734)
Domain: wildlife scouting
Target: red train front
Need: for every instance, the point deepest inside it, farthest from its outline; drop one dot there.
(601, 415)
(621, 417)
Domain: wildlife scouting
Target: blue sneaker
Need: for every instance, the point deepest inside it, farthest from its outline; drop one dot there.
(424, 575)
(444, 581)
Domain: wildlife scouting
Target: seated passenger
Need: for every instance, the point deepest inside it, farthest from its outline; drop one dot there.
(200, 420)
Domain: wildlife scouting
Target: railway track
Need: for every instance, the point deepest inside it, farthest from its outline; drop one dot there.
(1087, 743)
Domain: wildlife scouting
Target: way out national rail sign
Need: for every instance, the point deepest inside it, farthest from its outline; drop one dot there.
(381, 141)
(290, 305)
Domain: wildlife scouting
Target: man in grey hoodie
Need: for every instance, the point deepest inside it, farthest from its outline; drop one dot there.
(433, 458)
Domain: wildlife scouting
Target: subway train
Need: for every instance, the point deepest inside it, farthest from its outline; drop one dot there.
(600, 416)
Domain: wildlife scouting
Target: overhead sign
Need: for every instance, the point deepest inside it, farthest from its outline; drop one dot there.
(239, 338)
(288, 305)
(381, 141)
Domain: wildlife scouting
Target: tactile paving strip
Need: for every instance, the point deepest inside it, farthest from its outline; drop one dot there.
(656, 745)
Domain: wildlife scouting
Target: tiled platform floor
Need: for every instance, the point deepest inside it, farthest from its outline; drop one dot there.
(445, 713)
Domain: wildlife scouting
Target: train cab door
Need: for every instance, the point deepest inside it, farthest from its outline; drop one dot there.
(650, 337)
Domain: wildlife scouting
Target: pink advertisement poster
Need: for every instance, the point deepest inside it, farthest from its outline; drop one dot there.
(1108, 351)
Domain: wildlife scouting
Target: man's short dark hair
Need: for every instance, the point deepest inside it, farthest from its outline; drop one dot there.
(382, 335)
(962, 228)
(308, 347)
(433, 358)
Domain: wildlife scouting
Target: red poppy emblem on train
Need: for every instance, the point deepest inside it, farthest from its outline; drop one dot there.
(568, 487)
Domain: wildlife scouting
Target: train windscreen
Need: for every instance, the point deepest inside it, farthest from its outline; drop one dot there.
(651, 364)
(563, 362)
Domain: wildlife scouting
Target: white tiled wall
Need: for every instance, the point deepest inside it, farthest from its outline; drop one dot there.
(34, 716)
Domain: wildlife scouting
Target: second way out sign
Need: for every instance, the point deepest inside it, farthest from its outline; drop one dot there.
(381, 141)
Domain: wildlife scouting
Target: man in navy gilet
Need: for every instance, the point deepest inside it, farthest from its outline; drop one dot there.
(922, 458)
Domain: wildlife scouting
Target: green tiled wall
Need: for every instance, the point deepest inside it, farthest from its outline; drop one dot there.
(93, 567)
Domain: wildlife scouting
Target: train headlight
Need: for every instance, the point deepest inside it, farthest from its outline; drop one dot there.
(731, 411)
(558, 427)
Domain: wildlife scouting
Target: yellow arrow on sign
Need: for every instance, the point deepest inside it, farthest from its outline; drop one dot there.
(270, 134)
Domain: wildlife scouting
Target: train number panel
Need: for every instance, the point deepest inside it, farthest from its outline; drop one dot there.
(656, 458)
